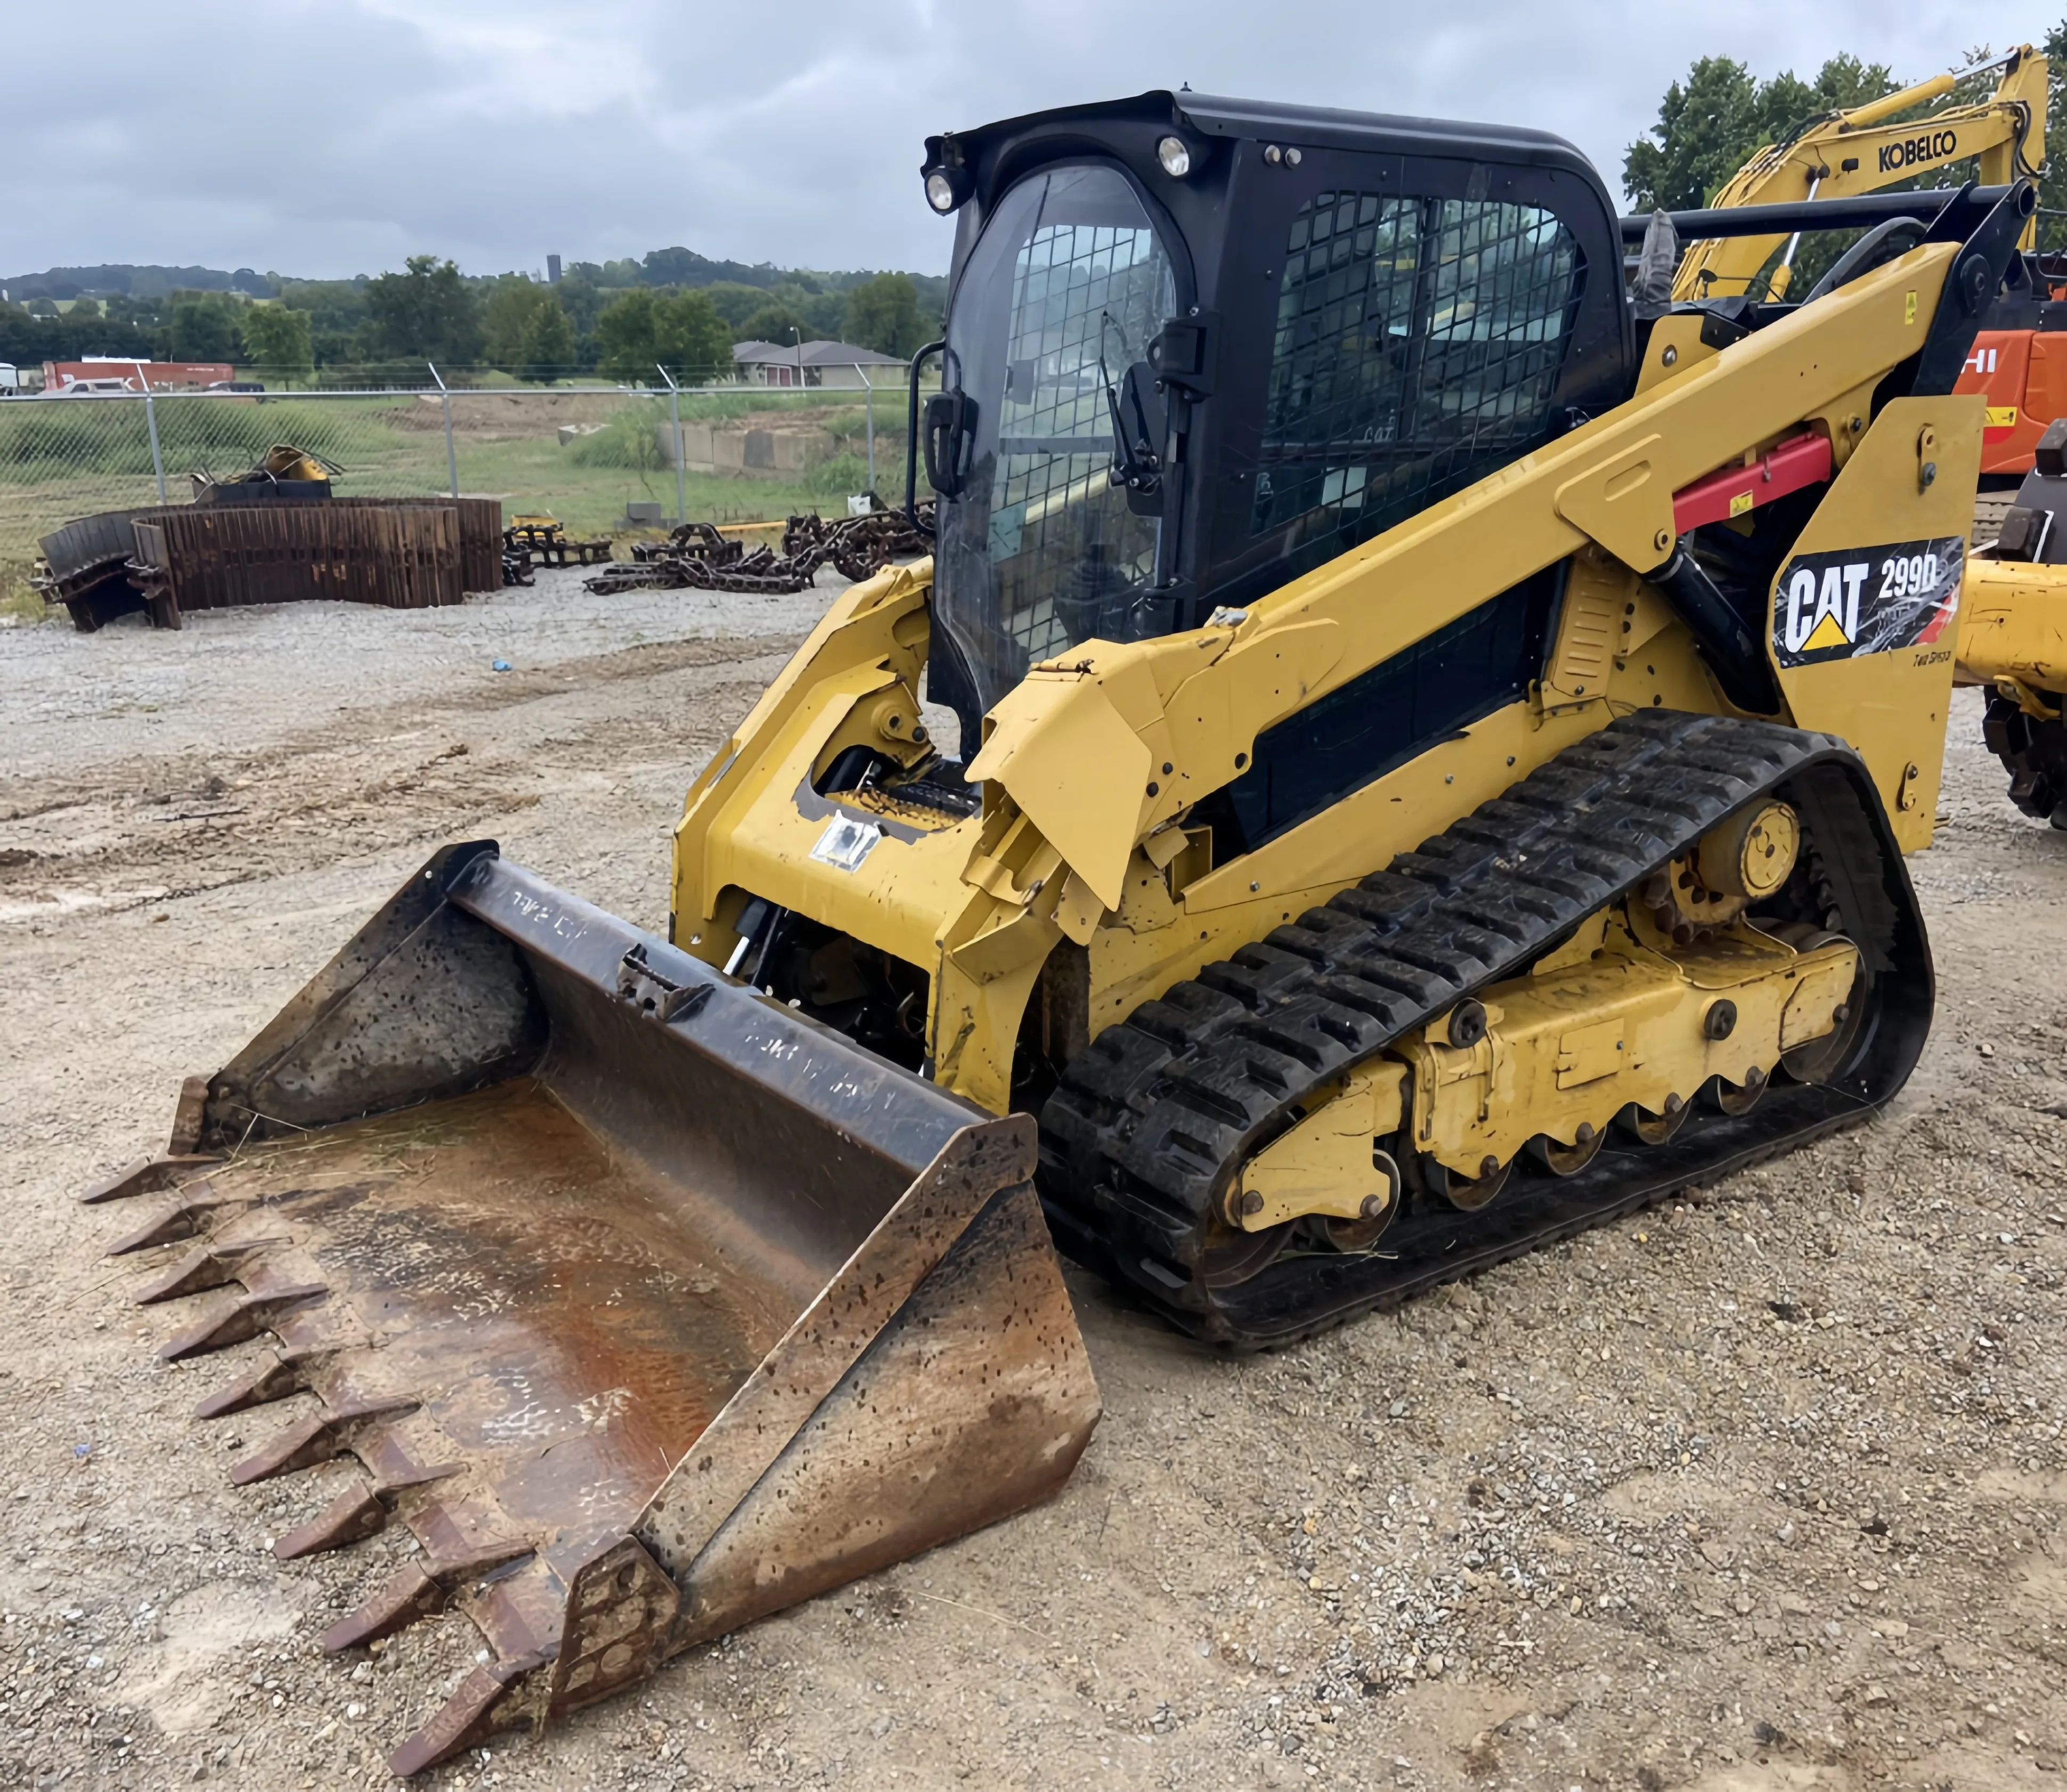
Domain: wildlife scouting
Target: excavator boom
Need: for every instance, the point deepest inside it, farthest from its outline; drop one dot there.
(1861, 150)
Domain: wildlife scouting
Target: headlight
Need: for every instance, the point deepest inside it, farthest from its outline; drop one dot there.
(940, 193)
(1175, 154)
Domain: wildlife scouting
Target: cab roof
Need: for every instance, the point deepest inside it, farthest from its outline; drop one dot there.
(1215, 115)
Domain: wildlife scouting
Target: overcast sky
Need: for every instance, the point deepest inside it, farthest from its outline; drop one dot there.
(330, 137)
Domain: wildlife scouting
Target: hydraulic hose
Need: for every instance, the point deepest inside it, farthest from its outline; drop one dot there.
(1732, 650)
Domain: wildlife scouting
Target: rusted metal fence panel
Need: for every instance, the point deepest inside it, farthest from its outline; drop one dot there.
(405, 557)
(480, 529)
(400, 555)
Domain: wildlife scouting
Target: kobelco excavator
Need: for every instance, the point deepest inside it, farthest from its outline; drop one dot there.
(2019, 359)
(1430, 764)
(1864, 148)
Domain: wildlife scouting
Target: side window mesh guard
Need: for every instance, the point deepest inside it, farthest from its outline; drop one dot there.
(1417, 348)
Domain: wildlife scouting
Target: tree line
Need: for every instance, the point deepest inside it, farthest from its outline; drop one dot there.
(1712, 122)
(621, 320)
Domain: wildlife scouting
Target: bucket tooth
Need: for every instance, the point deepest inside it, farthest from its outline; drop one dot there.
(278, 1379)
(354, 1515)
(310, 1441)
(302, 1445)
(150, 1175)
(522, 1613)
(183, 1220)
(500, 1696)
(463, 1541)
(607, 1631)
(240, 1319)
(408, 1594)
(213, 1266)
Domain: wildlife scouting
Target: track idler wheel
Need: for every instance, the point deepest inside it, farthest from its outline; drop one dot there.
(1233, 1257)
(1821, 1060)
(1654, 1129)
(1562, 1160)
(1734, 1099)
(1354, 1237)
(1467, 1193)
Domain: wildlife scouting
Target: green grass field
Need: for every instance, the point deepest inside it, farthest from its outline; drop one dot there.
(60, 459)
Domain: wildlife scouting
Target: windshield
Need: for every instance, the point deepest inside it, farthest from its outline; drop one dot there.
(1062, 294)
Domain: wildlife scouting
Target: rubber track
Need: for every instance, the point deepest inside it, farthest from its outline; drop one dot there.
(1153, 1120)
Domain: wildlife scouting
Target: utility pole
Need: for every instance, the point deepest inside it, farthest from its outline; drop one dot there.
(870, 384)
(452, 456)
(151, 422)
(675, 415)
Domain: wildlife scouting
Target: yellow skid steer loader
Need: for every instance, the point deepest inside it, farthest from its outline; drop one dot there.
(1434, 759)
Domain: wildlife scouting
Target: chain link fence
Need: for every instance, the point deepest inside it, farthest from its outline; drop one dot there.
(602, 460)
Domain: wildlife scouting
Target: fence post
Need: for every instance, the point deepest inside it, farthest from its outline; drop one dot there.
(871, 385)
(675, 415)
(150, 423)
(452, 456)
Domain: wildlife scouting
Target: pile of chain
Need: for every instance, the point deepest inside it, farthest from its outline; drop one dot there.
(544, 542)
(698, 555)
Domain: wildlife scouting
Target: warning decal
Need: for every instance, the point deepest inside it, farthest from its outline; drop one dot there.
(1865, 600)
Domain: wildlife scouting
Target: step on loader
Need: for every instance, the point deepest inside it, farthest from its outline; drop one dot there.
(1394, 759)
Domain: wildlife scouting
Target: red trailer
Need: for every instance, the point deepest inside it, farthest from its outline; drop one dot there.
(160, 376)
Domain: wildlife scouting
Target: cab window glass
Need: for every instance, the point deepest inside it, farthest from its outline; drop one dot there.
(1062, 294)
(1417, 348)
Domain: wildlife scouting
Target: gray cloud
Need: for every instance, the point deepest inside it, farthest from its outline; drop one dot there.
(337, 136)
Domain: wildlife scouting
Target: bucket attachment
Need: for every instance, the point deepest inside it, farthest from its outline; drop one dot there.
(649, 1306)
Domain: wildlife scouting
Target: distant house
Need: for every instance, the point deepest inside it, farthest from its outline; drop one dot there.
(813, 364)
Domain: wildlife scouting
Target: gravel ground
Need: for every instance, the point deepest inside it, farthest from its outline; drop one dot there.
(1765, 1490)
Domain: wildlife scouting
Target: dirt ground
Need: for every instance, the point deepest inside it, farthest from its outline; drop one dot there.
(1762, 1493)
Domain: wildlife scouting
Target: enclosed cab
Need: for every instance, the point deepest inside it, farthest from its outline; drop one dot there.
(1290, 328)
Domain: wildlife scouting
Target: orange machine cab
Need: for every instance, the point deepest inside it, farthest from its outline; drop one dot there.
(2023, 373)
(2019, 364)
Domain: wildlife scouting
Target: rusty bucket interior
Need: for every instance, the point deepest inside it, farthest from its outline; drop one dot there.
(649, 1306)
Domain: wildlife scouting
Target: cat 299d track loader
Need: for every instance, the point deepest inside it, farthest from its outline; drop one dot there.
(1434, 763)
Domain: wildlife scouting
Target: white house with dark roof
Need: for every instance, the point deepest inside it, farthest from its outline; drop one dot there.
(841, 365)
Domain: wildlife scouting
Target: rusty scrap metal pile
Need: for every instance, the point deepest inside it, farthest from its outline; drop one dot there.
(224, 551)
(699, 555)
(543, 541)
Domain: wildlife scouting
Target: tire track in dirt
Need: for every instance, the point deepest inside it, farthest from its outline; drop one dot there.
(373, 781)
